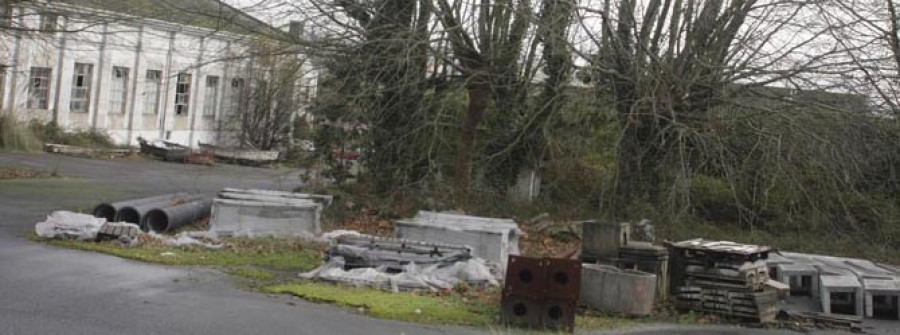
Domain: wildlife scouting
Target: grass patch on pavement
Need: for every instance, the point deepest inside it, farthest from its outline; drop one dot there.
(395, 306)
(267, 253)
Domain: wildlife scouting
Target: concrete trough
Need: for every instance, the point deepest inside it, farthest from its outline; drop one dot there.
(882, 298)
(612, 290)
(490, 239)
(258, 218)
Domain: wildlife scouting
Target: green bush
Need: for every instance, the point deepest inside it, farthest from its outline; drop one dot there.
(14, 136)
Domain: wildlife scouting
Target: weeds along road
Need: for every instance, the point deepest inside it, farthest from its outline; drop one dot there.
(48, 290)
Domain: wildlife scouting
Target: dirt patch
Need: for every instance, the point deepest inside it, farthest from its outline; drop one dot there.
(21, 173)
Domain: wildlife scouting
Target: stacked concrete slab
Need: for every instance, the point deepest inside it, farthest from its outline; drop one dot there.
(841, 285)
(490, 239)
(251, 213)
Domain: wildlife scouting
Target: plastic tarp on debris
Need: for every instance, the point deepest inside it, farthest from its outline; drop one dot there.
(399, 265)
(65, 224)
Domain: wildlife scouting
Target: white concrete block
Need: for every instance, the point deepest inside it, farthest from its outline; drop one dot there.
(254, 218)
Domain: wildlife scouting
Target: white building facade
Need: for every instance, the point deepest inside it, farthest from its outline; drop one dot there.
(89, 68)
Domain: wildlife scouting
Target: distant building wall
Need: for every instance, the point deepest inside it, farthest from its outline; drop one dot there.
(131, 61)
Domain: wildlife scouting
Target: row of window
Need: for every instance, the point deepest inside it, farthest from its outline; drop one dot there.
(39, 91)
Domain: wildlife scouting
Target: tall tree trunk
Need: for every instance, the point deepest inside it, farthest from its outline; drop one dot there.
(479, 95)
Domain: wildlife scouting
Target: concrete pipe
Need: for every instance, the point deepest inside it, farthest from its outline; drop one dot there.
(135, 213)
(170, 218)
(108, 211)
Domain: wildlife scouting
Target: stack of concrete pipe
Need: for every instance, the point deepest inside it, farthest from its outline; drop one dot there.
(159, 213)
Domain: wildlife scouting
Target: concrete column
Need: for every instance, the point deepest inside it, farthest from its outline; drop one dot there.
(59, 71)
(15, 67)
(195, 95)
(138, 51)
(223, 93)
(101, 67)
(165, 93)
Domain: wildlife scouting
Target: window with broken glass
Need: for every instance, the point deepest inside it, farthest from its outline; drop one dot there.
(152, 83)
(81, 88)
(118, 92)
(49, 22)
(182, 94)
(211, 96)
(39, 90)
(236, 102)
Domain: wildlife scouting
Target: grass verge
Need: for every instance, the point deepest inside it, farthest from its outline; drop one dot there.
(240, 255)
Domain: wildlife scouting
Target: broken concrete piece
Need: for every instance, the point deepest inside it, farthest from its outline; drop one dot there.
(65, 224)
(612, 290)
(491, 239)
(256, 218)
(118, 230)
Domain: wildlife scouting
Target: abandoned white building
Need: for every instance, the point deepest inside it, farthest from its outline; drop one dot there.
(180, 70)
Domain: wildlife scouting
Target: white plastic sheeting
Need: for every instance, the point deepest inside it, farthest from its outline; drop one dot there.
(413, 277)
(65, 224)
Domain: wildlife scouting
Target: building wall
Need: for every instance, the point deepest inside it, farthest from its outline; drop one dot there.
(139, 46)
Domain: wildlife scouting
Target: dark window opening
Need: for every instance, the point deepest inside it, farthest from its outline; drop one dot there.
(843, 303)
(885, 307)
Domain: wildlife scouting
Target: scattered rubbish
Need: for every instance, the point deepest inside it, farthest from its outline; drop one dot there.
(65, 224)
(620, 291)
(72, 150)
(541, 292)
(601, 240)
(723, 278)
(185, 240)
(241, 156)
(805, 321)
(400, 265)
(167, 254)
(491, 239)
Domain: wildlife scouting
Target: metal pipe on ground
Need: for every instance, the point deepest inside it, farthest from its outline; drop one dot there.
(108, 210)
(170, 218)
(135, 213)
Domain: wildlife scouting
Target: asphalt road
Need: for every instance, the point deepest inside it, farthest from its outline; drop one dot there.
(49, 290)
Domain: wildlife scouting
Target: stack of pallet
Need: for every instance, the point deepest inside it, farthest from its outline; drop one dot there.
(723, 278)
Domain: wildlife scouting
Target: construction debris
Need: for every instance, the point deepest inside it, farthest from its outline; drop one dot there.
(541, 292)
(805, 321)
(72, 150)
(399, 265)
(841, 285)
(723, 278)
(494, 240)
(121, 231)
(251, 213)
(65, 224)
(649, 258)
